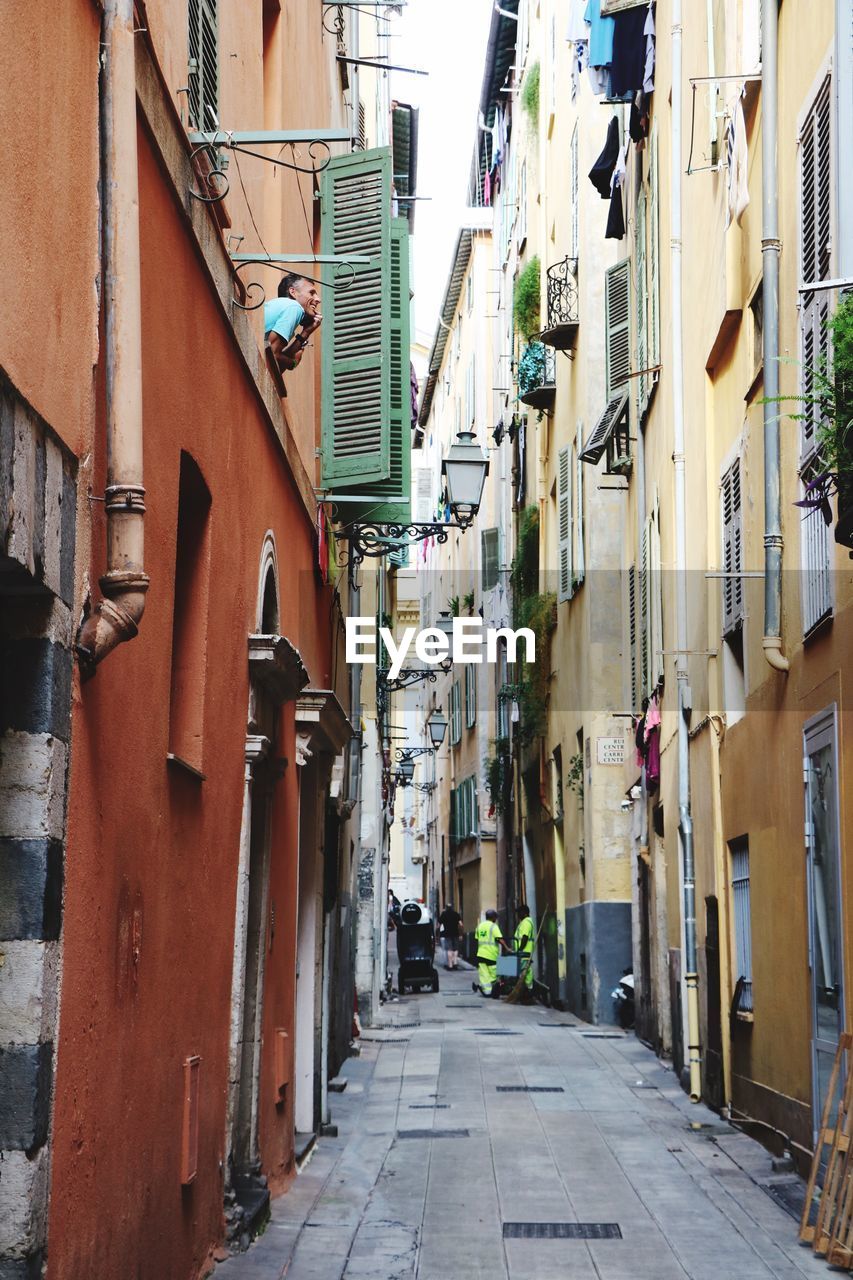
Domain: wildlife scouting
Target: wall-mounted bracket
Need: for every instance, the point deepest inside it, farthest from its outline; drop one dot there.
(212, 147)
(283, 261)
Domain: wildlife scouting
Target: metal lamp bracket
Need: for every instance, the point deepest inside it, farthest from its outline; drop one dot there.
(243, 141)
(283, 263)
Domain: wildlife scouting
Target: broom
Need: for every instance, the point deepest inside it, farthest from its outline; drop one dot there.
(517, 991)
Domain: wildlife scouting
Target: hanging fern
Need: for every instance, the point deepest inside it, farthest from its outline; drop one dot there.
(527, 299)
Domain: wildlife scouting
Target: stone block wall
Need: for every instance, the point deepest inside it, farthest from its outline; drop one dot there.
(37, 529)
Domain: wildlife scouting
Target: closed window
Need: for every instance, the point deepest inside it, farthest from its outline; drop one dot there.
(470, 695)
(742, 913)
(490, 558)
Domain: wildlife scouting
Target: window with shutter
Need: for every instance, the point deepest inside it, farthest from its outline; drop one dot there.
(422, 490)
(815, 250)
(656, 592)
(645, 613)
(356, 345)
(574, 241)
(580, 551)
(653, 342)
(641, 294)
(470, 695)
(203, 69)
(732, 527)
(490, 558)
(455, 714)
(564, 524)
(617, 324)
(632, 636)
(816, 200)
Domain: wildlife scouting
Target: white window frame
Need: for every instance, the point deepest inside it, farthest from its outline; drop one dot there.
(455, 714)
(470, 695)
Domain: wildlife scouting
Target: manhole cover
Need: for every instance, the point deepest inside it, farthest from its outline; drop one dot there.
(562, 1231)
(529, 1088)
(432, 1133)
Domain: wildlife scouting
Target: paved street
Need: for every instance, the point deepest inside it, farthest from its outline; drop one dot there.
(434, 1162)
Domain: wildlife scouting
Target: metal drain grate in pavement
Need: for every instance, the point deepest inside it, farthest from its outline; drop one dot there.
(530, 1088)
(599, 1035)
(432, 1133)
(385, 1040)
(488, 1031)
(562, 1231)
(570, 1025)
(429, 1106)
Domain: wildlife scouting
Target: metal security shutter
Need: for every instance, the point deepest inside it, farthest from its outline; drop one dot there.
(617, 323)
(564, 524)
(732, 523)
(815, 249)
(356, 344)
(490, 557)
(203, 65)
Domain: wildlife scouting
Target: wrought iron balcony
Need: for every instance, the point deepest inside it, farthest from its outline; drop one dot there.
(537, 376)
(562, 325)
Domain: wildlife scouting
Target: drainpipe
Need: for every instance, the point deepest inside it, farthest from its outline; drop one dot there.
(691, 978)
(770, 250)
(116, 617)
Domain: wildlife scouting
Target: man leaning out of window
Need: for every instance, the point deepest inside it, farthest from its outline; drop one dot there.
(290, 319)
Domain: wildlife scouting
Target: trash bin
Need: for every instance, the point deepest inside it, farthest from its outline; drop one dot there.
(416, 948)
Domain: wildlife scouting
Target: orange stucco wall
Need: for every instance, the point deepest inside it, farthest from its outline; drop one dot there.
(146, 839)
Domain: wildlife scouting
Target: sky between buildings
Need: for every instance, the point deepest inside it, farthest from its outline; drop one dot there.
(447, 38)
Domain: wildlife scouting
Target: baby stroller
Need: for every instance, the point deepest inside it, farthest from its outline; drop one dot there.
(416, 948)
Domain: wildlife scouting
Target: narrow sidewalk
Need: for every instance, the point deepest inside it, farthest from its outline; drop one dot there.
(511, 1143)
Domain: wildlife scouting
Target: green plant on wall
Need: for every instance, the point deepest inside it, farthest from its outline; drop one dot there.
(530, 94)
(453, 602)
(498, 772)
(574, 778)
(468, 602)
(526, 299)
(537, 610)
(828, 403)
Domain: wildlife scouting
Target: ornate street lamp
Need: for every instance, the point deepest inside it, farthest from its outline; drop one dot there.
(465, 469)
(437, 726)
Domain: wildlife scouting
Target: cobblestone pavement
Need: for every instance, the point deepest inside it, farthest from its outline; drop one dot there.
(464, 1117)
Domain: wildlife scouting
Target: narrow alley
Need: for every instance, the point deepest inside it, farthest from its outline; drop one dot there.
(464, 1122)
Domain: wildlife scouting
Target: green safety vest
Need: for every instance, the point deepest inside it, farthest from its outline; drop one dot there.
(524, 936)
(487, 934)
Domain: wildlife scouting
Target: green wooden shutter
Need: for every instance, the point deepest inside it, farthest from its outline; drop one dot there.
(393, 496)
(617, 323)
(641, 299)
(580, 550)
(356, 334)
(490, 551)
(564, 524)
(654, 251)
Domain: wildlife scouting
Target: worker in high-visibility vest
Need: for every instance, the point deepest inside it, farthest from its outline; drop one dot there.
(490, 942)
(523, 944)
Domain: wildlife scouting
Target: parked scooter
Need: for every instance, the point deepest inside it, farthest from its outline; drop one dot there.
(623, 1000)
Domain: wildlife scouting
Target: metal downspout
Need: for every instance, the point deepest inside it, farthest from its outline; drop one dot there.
(116, 617)
(770, 250)
(684, 697)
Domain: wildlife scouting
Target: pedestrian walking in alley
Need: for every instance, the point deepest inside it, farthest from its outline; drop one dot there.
(490, 942)
(523, 946)
(451, 927)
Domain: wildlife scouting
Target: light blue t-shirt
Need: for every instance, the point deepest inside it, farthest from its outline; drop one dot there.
(282, 316)
(601, 35)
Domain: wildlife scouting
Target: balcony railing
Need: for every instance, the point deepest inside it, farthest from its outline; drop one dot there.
(562, 323)
(537, 376)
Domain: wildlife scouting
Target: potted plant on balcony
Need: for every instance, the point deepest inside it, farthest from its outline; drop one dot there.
(831, 401)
